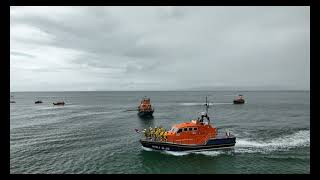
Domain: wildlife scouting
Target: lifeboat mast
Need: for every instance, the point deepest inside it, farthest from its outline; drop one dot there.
(206, 113)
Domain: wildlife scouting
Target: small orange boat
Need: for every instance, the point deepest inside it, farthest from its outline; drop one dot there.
(145, 109)
(195, 135)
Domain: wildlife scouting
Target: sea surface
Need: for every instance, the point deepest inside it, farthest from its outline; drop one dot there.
(94, 133)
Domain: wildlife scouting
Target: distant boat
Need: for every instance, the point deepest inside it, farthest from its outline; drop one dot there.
(59, 103)
(12, 102)
(239, 100)
(38, 102)
(145, 109)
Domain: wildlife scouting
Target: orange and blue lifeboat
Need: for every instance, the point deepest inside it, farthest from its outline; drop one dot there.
(190, 136)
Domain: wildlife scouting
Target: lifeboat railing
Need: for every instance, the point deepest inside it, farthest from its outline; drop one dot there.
(182, 141)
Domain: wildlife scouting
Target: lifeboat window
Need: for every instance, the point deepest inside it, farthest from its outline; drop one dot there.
(185, 129)
(190, 129)
(179, 131)
(195, 129)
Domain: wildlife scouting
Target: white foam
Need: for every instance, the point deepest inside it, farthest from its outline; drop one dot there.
(246, 150)
(191, 104)
(183, 153)
(210, 153)
(176, 153)
(222, 103)
(146, 149)
(43, 108)
(298, 139)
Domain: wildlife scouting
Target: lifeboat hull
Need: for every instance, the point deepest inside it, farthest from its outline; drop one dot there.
(238, 102)
(145, 113)
(57, 104)
(211, 144)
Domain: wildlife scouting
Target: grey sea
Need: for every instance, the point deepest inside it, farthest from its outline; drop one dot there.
(94, 132)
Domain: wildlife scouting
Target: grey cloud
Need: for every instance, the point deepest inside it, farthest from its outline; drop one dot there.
(185, 47)
(14, 53)
(96, 33)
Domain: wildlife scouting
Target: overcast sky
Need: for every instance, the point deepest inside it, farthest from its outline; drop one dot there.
(159, 48)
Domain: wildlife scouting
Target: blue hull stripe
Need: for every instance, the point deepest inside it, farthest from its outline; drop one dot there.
(211, 144)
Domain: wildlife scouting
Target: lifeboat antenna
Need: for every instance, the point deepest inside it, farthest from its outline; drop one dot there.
(207, 105)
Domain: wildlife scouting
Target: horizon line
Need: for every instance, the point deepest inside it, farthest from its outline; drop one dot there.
(159, 90)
